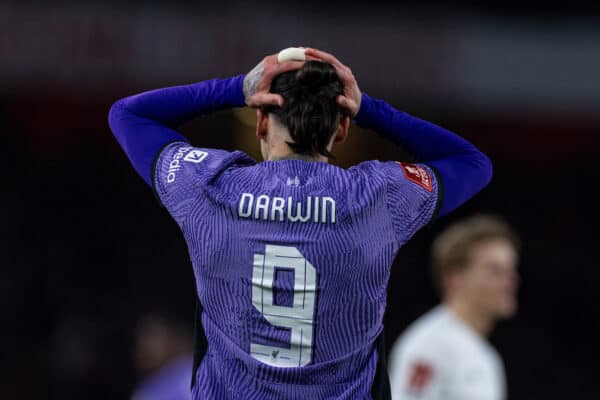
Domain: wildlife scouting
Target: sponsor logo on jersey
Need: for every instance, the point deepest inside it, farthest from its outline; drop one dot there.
(417, 174)
(195, 156)
(175, 164)
(295, 181)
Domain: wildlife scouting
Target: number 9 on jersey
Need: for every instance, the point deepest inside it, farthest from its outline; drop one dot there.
(299, 318)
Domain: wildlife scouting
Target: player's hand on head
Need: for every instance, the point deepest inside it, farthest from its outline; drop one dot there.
(257, 82)
(352, 96)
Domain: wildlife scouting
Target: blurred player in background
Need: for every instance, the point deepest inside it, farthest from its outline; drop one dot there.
(163, 355)
(445, 355)
(292, 255)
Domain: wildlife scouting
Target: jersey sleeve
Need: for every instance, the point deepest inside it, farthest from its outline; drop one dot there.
(416, 374)
(416, 378)
(182, 172)
(413, 195)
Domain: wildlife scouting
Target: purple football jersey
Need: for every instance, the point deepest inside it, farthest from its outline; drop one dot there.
(291, 259)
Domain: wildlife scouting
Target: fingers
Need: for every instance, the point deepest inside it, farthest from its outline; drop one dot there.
(272, 67)
(265, 99)
(343, 71)
(345, 75)
(271, 61)
(288, 66)
(324, 56)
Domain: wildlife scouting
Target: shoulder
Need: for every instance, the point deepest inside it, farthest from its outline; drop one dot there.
(183, 159)
(183, 173)
(411, 189)
(373, 170)
(183, 154)
(426, 336)
(464, 343)
(421, 175)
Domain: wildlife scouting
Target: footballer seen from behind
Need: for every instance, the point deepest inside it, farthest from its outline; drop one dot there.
(292, 254)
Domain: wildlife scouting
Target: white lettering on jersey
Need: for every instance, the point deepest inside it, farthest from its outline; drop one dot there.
(175, 164)
(278, 209)
(278, 203)
(245, 207)
(298, 216)
(331, 202)
(262, 204)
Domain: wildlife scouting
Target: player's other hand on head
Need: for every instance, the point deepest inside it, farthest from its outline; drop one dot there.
(257, 82)
(352, 96)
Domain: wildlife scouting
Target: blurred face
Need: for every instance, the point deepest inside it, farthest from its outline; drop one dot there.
(152, 346)
(489, 283)
(156, 344)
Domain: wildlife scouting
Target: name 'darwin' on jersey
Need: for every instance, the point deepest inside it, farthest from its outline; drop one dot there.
(279, 209)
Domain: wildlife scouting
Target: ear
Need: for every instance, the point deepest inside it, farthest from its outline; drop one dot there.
(262, 121)
(342, 131)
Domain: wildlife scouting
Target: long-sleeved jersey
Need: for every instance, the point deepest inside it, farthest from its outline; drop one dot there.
(292, 260)
(292, 257)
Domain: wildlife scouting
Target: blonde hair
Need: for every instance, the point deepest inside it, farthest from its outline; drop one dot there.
(451, 249)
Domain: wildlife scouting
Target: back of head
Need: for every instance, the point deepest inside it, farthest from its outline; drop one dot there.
(310, 112)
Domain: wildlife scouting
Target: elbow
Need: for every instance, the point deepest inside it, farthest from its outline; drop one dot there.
(115, 114)
(119, 121)
(487, 169)
(463, 177)
(480, 170)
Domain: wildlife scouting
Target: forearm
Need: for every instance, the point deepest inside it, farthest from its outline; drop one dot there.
(462, 168)
(144, 123)
(422, 139)
(176, 105)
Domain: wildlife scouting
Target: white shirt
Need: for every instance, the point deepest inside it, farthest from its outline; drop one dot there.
(439, 357)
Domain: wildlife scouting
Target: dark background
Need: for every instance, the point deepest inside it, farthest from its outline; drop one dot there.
(87, 250)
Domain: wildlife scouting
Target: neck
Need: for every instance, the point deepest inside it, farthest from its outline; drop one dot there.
(295, 156)
(477, 320)
(278, 149)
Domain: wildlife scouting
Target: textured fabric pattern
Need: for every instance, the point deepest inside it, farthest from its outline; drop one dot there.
(233, 212)
(462, 168)
(145, 122)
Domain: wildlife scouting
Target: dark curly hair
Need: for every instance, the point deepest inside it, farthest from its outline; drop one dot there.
(310, 112)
